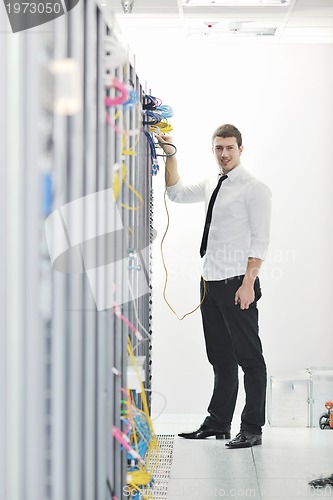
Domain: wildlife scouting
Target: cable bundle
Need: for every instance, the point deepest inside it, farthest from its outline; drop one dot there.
(153, 154)
(156, 118)
(150, 102)
(166, 111)
(163, 127)
(121, 98)
(139, 438)
(133, 98)
(139, 433)
(156, 114)
(120, 175)
(142, 439)
(152, 118)
(127, 95)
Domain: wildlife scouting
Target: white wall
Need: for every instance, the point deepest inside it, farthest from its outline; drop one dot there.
(280, 97)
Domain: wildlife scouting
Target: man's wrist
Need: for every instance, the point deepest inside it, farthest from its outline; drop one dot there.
(248, 281)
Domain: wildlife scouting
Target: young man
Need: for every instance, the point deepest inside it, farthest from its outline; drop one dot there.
(233, 246)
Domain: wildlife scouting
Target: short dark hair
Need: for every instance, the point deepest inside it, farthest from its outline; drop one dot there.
(228, 130)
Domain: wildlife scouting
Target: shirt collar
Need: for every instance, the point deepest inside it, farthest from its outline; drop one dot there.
(234, 172)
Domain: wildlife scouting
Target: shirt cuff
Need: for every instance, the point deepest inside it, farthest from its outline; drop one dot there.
(173, 190)
(258, 250)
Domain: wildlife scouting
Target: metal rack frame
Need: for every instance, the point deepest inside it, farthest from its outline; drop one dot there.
(60, 395)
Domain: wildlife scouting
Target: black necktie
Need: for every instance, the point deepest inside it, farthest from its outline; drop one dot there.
(203, 246)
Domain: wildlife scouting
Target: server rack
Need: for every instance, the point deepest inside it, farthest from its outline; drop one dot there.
(67, 263)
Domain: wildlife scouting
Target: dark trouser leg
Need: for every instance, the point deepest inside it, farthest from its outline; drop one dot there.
(244, 344)
(220, 353)
(244, 330)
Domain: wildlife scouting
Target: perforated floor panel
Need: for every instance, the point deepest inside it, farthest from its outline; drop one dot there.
(161, 474)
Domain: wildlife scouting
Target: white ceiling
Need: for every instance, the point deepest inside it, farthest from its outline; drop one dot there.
(302, 21)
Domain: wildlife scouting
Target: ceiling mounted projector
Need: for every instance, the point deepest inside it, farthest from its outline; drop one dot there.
(236, 3)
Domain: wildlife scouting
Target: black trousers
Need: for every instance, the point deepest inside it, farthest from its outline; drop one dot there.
(232, 340)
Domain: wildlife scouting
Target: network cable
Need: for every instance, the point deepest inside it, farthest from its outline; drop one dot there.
(164, 263)
(113, 496)
(150, 102)
(162, 127)
(166, 155)
(132, 189)
(152, 118)
(133, 99)
(165, 110)
(154, 154)
(153, 445)
(127, 322)
(119, 99)
(151, 105)
(155, 166)
(126, 151)
(140, 442)
(129, 401)
(136, 311)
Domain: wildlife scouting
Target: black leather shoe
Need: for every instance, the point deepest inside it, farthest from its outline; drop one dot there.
(203, 432)
(245, 439)
(322, 482)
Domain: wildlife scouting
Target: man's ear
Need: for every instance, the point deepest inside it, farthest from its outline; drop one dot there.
(241, 149)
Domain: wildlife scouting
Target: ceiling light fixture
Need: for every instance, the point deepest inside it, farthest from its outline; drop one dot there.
(127, 6)
(236, 3)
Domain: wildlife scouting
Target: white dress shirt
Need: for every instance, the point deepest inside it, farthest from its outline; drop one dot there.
(240, 222)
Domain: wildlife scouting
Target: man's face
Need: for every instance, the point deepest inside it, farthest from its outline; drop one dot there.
(227, 153)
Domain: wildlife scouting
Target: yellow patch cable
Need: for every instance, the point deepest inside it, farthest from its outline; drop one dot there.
(118, 180)
(164, 264)
(153, 445)
(142, 477)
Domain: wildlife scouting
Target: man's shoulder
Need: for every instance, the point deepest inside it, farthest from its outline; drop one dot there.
(250, 180)
(254, 188)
